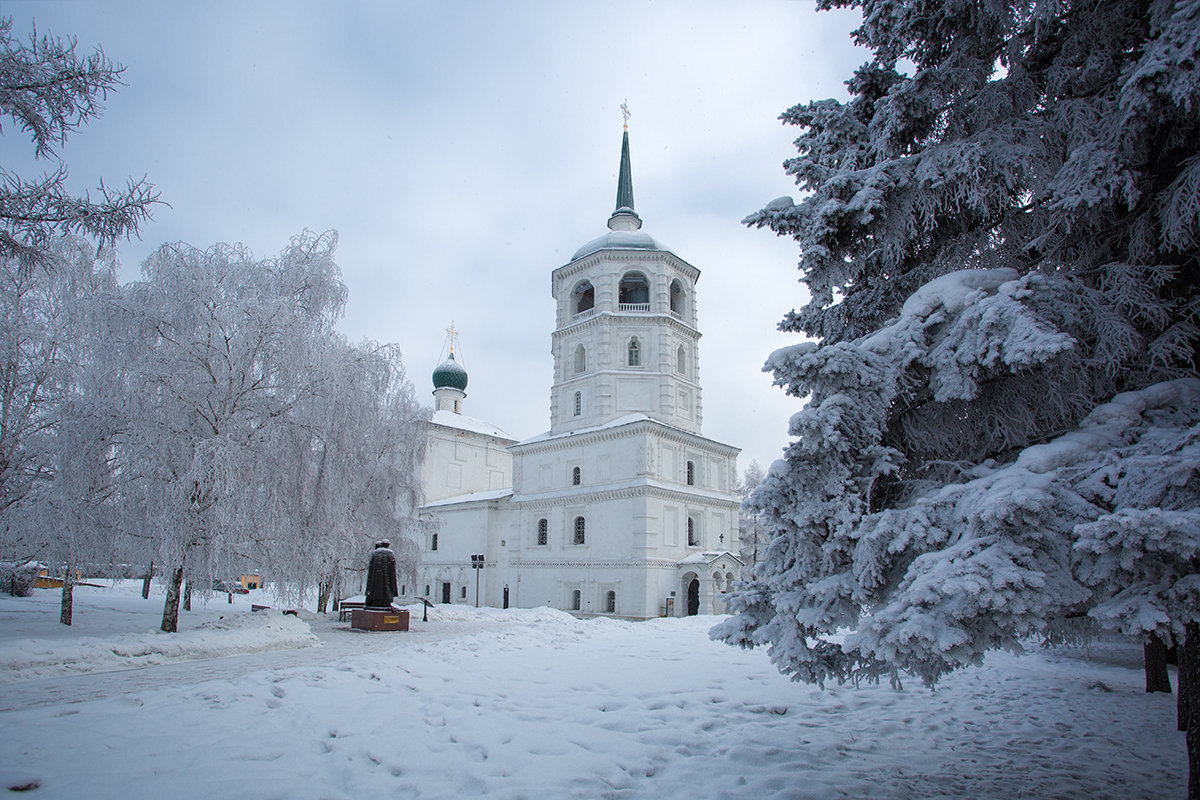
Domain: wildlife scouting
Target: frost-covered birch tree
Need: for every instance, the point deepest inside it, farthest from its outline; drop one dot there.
(1000, 237)
(348, 471)
(49, 320)
(753, 531)
(228, 346)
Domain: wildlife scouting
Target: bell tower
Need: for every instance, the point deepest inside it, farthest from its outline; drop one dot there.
(626, 339)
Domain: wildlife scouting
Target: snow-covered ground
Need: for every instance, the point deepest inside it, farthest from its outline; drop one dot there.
(538, 704)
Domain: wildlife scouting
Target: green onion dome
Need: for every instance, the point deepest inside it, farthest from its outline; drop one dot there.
(450, 375)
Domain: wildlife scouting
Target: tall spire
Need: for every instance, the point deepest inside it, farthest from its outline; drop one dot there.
(624, 218)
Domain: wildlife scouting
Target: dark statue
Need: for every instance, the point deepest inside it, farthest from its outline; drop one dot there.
(381, 576)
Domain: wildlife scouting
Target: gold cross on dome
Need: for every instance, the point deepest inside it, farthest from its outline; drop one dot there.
(452, 335)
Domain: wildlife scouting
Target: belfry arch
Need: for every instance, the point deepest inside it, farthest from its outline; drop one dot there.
(583, 298)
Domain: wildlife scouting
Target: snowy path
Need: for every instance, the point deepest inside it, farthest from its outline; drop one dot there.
(338, 641)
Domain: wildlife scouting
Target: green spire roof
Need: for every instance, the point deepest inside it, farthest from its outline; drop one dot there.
(625, 218)
(625, 179)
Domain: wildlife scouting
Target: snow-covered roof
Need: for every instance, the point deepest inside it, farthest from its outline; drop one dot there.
(708, 558)
(462, 422)
(473, 497)
(620, 240)
(628, 419)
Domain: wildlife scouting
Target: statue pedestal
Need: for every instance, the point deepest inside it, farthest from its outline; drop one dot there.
(377, 619)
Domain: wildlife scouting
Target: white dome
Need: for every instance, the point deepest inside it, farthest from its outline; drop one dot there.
(619, 240)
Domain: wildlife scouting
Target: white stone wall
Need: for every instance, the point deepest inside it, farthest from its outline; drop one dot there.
(459, 462)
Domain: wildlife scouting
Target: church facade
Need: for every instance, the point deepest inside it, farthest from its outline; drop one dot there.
(623, 507)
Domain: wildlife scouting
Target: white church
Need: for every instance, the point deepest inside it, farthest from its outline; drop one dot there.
(623, 507)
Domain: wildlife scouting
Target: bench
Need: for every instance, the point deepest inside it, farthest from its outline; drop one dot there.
(346, 607)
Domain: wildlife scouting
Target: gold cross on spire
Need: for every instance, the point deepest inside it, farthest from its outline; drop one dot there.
(625, 113)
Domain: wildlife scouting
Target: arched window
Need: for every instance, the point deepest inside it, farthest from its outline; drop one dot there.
(580, 359)
(575, 597)
(543, 533)
(692, 540)
(580, 531)
(677, 298)
(610, 602)
(635, 352)
(691, 473)
(583, 298)
(681, 361)
(576, 476)
(578, 403)
(634, 290)
(433, 542)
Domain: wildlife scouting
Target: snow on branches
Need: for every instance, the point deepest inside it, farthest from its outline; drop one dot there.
(1001, 248)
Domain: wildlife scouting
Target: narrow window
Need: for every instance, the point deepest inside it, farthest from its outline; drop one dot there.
(580, 359)
(575, 598)
(691, 473)
(464, 593)
(681, 361)
(403, 589)
(578, 403)
(543, 534)
(635, 353)
(580, 534)
(610, 602)
(433, 542)
(692, 532)
(427, 590)
(576, 476)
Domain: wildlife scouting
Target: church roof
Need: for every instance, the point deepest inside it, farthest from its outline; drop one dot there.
(624, 224)
(450, 375)
(620, 240)
(461, 422)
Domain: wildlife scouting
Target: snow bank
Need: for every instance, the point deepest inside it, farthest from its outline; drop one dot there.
(238, 633)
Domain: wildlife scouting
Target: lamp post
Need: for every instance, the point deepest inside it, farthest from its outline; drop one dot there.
(477, 562)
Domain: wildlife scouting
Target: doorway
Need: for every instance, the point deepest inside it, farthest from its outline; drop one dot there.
(446, 592)
(505, 597)
(693, 597)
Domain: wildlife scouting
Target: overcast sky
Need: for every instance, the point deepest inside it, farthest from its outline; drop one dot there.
(464, 150)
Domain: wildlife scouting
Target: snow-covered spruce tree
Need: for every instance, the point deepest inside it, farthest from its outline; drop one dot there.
(1000, 234)
(228, 344)
(48, 91)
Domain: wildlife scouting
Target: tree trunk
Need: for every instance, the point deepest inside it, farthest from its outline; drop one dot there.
(146, 582)
(1155, 653)
(325, 589)
(68, 597)
(1189, 703)
(170, 620)
(187, 595)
